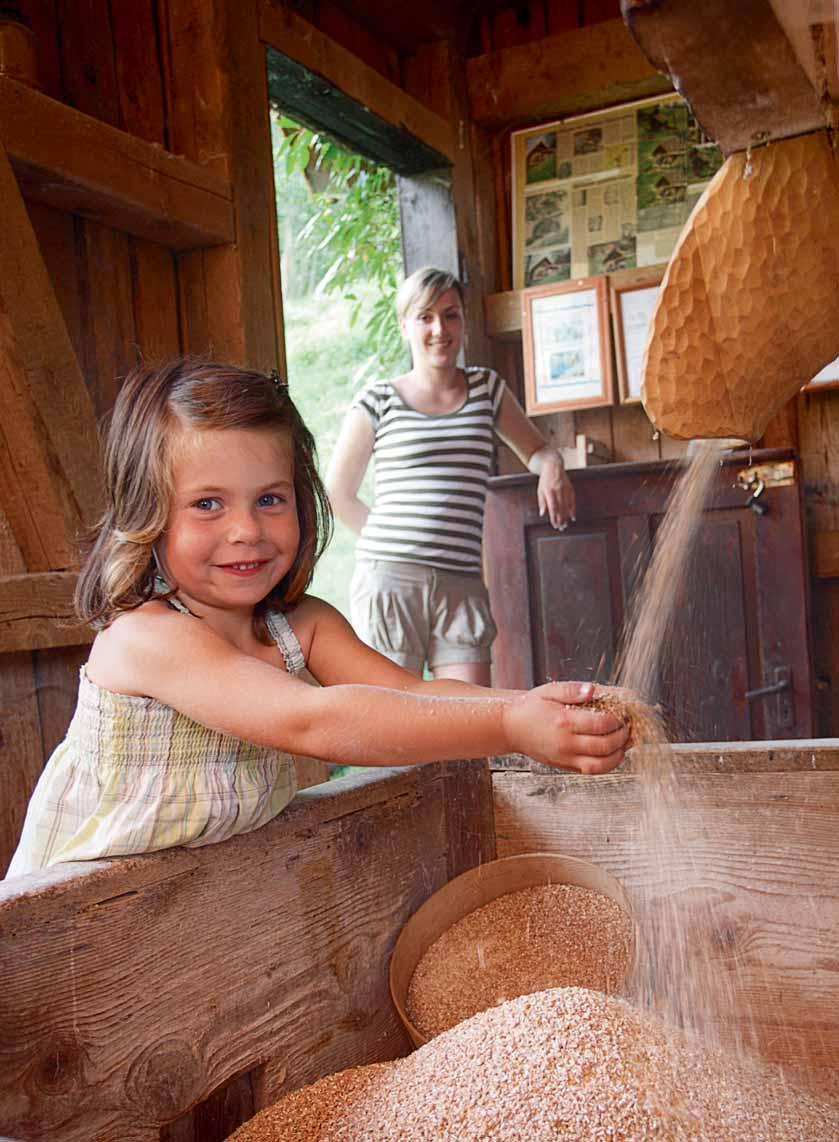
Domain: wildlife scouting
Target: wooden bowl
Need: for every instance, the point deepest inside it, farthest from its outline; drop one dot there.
(472, 890)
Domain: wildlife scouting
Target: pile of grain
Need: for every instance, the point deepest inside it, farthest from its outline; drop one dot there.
(562, 1064)
(552, 935)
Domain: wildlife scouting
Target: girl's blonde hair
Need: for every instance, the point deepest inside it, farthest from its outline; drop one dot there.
(423, 288)
(156, 403)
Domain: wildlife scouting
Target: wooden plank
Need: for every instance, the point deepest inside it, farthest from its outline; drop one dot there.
(155, 300)
(294, 37)
(110, 338)
(566, 74)
(235, 284)
(88, 67)
(36, 499)
(470, 824)
(819, 448)
(504, 314)
(21, 753)
(774, 884)
(36, 611)
(76, 163)
(60, 237)
(39, 355)
(633, 436)
(138, 70)
(291, 971)
(824, 554)
(43, 20)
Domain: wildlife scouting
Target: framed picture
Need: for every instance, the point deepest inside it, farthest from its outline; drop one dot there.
(605, 191)
(567, 358)
(632, 299)
(827, 378)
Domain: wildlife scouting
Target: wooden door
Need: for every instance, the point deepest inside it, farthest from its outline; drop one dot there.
(561, 599)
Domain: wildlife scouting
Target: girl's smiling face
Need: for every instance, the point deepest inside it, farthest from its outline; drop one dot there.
(232, 531)
(435, 332)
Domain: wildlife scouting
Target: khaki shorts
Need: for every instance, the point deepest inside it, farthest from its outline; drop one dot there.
(414, 614)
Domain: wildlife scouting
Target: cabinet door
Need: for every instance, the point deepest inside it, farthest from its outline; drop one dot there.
(563, 600)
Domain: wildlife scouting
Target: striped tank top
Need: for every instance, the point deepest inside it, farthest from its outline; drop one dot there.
(431, 474)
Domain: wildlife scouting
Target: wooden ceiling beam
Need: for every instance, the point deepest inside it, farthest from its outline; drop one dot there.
(734, 64)
(79, 164)
(556, 76)
(301, 42)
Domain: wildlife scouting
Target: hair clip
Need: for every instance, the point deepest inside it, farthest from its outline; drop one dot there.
(277, 381)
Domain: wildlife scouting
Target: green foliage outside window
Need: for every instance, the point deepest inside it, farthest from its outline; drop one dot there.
(340, 234)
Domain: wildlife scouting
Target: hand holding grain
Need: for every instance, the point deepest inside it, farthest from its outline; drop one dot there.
(544, 724)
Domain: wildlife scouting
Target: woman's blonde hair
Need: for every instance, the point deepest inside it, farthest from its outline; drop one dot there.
(156, 403)
(423, 288)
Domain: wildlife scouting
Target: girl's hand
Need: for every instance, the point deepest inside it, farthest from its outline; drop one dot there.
(544, 725)
(554, 492)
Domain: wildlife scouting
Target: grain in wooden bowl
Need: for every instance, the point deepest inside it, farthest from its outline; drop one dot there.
(511, 926)
(551, 935)
(561, 1064)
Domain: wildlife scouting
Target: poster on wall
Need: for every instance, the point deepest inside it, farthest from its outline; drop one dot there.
(607, 191)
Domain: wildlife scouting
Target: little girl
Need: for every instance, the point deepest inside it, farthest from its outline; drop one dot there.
(190, 706)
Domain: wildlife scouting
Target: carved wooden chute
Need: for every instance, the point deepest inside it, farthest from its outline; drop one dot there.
(748, 311)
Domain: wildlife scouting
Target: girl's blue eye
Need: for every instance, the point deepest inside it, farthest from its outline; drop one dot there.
(269, 500)
(207, 504)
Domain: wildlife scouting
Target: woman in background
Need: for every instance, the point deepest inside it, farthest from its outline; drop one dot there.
(417, 593)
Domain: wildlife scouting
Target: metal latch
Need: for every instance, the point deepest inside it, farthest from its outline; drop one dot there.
(782, 687)
(751, 481)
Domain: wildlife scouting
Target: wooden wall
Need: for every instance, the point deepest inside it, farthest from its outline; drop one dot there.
(148, 229)
(175, 77)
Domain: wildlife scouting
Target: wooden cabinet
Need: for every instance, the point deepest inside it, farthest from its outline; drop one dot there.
(561, 599)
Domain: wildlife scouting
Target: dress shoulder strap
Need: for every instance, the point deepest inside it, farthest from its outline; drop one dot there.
(280, 630)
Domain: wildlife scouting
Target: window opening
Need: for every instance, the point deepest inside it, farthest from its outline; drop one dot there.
(341, 264)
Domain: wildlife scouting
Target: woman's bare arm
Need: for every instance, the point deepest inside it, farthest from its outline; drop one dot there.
(347, 466)
(554, 491)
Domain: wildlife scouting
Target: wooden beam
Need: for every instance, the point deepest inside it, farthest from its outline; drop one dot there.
(36, 612)
(48, 468)
(300, 41)
(79, 164)
(503, 315)
(824, 554)
(734, 64)
(567, 74)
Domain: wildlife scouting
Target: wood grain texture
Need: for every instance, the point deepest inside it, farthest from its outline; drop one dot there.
(134, 988)
(36, 611)
(21, 751)
(581, 70)
(79, 164)
(217, 93)
(734, 337)
(768, 848)
(47, 483)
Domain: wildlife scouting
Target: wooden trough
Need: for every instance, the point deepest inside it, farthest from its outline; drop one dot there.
(169, 997)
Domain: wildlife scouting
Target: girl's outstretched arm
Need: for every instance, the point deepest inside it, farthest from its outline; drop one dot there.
(185, 664)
